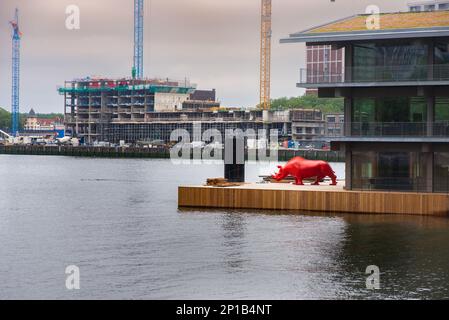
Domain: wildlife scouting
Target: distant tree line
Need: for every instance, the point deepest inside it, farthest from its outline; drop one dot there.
(5, 119)
(326, 105)
(49, 115)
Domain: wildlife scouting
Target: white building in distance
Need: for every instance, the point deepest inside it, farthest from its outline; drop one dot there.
(417, 6)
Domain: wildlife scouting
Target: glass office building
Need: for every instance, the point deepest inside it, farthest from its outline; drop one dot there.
(395, 83)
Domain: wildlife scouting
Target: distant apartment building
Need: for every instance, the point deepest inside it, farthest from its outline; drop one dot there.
(38, 125)
(418, 6)
(35, 123)
(307, 124)
(334, 124)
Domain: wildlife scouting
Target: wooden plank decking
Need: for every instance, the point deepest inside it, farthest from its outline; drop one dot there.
(323, 198)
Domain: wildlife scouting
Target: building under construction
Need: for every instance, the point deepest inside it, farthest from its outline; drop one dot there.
(131, 110)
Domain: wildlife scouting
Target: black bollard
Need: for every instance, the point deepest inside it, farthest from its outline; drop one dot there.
(234, 168)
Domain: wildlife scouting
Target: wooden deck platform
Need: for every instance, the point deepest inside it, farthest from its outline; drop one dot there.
(324, 198)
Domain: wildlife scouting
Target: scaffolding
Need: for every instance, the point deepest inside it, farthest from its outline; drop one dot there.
(92, 104)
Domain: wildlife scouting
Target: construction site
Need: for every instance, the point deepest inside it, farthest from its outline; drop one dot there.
(138, 110)
(134, 110)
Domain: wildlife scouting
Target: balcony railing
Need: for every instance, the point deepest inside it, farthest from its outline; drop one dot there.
(389, 129)
(405, 73)
(400, 129)
(382, 129)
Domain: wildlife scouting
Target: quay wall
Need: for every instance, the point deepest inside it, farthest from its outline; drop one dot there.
(156, 153)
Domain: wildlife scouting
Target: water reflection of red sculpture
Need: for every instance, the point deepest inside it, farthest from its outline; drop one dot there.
(301, 168)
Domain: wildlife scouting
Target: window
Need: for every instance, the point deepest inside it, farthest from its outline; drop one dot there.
(400, 116)
(441, 172)
(441, 109)
(441, 69)
(331, 119)
(403, 171)
(399, 109)
(444, 6)
(429, 7)
(415, 8)
(441, 125)
(386, 61)
(324, 64)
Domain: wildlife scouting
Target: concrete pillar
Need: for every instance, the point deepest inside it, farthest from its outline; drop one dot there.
(266, 116)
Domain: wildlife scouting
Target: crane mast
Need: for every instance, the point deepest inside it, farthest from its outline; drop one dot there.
(16, 36)
(265, 56)
(138, 38)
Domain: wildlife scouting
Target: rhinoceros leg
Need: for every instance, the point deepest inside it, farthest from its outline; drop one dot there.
(331, 174)
(334, 180)
(298, 181)
(318, 180)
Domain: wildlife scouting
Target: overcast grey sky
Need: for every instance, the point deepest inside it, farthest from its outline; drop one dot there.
(215, 43)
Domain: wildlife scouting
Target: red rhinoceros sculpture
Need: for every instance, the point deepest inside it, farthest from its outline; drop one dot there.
(301, 168)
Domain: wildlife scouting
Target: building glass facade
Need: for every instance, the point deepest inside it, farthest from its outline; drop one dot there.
(388, 61)
(392, 116)
(441, 172)
(390, 170)
(395, 83)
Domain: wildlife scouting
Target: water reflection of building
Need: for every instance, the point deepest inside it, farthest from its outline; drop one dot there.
(396, 89)
(233, 226)
(410, 252)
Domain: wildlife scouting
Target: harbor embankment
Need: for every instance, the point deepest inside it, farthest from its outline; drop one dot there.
(155, 153)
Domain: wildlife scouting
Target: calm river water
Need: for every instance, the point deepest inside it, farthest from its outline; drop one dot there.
(118, 221)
